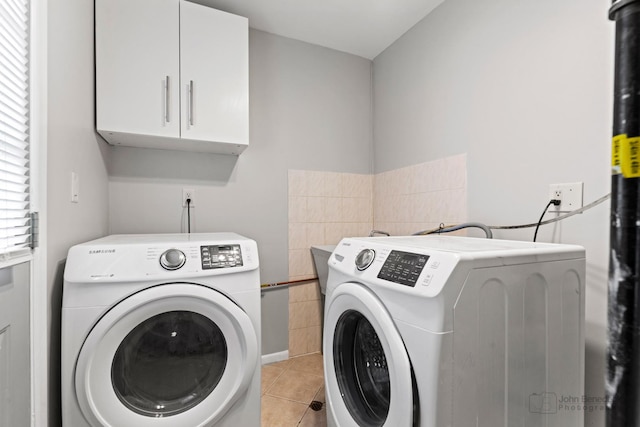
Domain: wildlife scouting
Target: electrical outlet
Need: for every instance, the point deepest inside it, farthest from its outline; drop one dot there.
(569, 194)
(188, 193)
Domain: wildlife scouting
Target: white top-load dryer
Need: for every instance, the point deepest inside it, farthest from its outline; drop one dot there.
(441, 331)
(161, 330)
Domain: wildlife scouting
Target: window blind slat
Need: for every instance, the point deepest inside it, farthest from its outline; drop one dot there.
(14, 146)
(12, 196)
(18, 124)
(18, 143)
(9, 81)
(21, 162)
(9, 106)
(13, 215)
(13, 66)
(19, 8)
(15, 222)
(15, 15)
(19, 184)
(16, 44)
(12, 168)
(13, 150)
(12, 133)
(17, 179)
(14, 62)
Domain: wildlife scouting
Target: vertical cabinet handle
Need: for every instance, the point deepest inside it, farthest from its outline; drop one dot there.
(191, 112)
(167, 100)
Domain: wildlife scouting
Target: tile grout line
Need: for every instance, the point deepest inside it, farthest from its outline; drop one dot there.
(266, 391)
(290, 367)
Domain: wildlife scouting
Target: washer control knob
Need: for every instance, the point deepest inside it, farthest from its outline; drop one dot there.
(172, 259)
(365, 258)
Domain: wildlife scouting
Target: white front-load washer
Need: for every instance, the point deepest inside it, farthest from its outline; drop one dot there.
(442, 331)
(161, 330)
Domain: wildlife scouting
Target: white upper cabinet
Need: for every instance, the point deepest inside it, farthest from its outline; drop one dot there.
(172, 74)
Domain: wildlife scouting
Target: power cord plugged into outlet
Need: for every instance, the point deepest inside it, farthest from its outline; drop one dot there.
(555, 202)
(188, 201)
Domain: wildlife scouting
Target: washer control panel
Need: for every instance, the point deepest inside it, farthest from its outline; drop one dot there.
(220, 256)
(403, 267)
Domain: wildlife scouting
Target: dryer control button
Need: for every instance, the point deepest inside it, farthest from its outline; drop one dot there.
(172, 259)
(365, 258)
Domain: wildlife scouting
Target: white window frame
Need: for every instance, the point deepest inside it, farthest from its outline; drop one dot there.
(40, 309)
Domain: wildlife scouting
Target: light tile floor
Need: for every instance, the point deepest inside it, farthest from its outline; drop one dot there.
(288, 388)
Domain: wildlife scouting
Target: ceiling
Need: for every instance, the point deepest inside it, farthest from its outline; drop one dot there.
(360, 27)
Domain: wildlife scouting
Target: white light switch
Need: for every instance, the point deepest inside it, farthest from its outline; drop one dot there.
(75, 187)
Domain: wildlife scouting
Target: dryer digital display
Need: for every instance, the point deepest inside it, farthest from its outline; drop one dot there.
(403, 267)
(220, 256)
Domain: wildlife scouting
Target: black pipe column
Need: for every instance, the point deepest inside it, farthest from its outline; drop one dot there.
(623, 364)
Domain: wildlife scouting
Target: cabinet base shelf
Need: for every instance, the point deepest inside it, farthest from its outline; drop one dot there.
(168, 143)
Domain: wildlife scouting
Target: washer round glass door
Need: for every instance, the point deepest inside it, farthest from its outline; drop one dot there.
(174, 354)
(367, 369)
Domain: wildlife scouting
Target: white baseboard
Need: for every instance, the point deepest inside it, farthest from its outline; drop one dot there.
(275, 357)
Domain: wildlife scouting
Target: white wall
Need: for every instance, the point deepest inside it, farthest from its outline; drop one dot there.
(310, 108)
(525, 89)
(72, 145)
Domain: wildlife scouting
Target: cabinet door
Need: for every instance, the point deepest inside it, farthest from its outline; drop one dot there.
(137, 68)
(214, 73)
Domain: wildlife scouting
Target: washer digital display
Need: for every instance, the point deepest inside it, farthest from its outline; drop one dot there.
(403, 267)
(220, 256)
